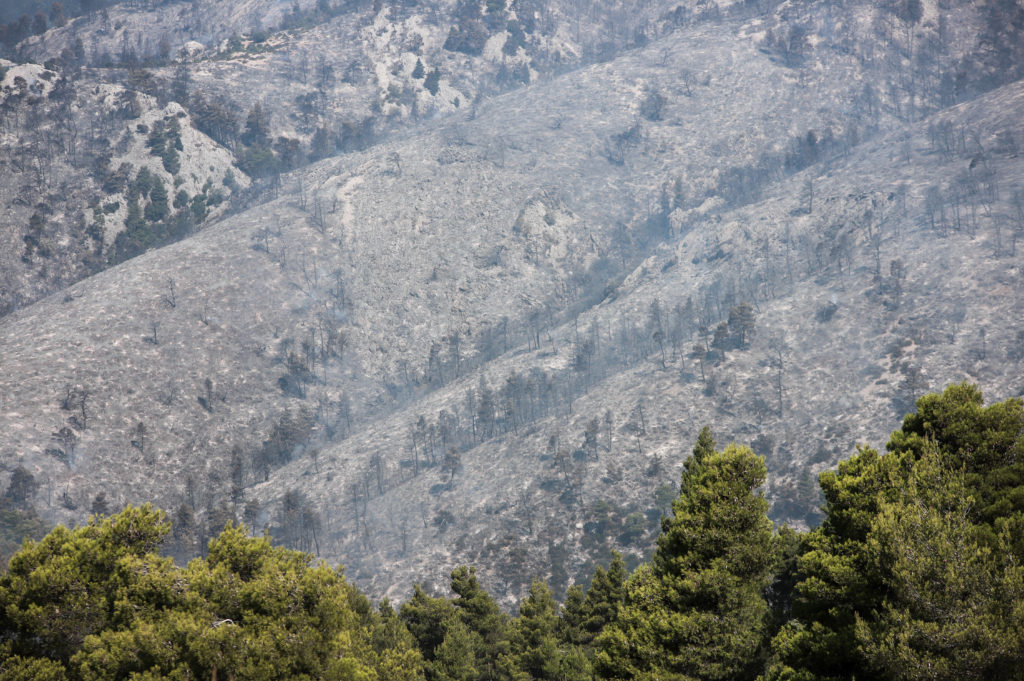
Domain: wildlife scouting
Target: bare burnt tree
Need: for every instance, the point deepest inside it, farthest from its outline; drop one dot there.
(153, 337)
(168, 296)
(137, 436)
(777, 358)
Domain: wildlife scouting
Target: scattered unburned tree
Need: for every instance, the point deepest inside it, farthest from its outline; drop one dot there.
(22, 488)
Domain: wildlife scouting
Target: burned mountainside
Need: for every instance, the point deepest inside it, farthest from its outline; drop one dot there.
(488, 327)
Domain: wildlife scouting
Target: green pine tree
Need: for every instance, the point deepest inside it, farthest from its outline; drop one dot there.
(424, 616)
(97, 603)
(70, 585)
(848, 609)
(17, 668)
(157, 209)
(948, 612)
(586, 616)
(535, 649)
(257, 128)
(455, 658)
(698, 610)
(134, 222)
(396, 655)
(482, 617)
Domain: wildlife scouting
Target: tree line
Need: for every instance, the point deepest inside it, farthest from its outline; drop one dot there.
(914, 573)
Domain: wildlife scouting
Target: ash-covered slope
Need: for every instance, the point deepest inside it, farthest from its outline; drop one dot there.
(866, 300)
(275, 83)
(519, 213)
(280, 83)
(531, 278)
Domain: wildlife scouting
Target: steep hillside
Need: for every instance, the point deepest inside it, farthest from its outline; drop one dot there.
(862, 303)
(70, 178)
(277, 84)
(492, 336)
(280, 84)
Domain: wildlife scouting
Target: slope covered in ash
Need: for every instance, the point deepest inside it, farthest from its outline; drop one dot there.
(862, 302)
(276, 84)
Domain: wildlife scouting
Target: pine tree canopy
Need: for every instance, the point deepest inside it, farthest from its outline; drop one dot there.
(915, 573)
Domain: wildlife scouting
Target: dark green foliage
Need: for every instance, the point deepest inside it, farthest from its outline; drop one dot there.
(157, 209)
(698, 610)
(455, 657)
(448, 647)
(215, 118)
(97, 604)
(483, 618)
(17, 668)
(288, 153)
(133, 221)
(781, 592)
(198, 207)
(63, 589)
(156, 140)
(257, 127)
(534, 647)
(425, 617)
(536, 651)
(150, 228)
(742, 324)
(257, 160)
(909, 571)
(116, 181)
(949, 605)
(165, 141)
(466, 638)
(418, 71)
(394, 648)
(586, 616)
(150, 222)
(143, 183)
(985, 442)
(181, 200)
